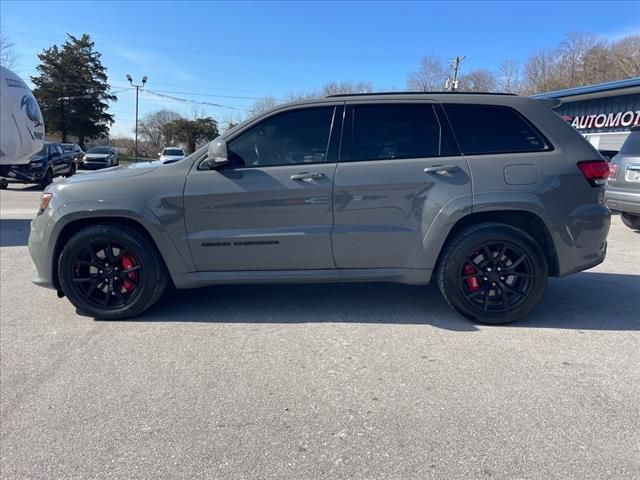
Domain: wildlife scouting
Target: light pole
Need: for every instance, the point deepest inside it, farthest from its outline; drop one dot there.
(144, 80)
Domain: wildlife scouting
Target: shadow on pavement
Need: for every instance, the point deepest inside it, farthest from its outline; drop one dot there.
(14, 232)
(586, 301)
(382, 303)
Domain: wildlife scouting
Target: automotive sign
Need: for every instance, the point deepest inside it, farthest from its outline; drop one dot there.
(603, 120)
(616, 113)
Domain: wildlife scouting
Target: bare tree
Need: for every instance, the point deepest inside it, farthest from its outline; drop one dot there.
(572, 52)
(8, 57)
(346, 87)
(479, 81)
(262, 105)
(152, 127)
(541, 73)
(509, 76)
(626, 56)
(430, 76)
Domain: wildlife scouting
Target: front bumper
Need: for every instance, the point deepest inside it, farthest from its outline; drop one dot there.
(40, 249)
(23, 173)
(94, 165)
(623, 200)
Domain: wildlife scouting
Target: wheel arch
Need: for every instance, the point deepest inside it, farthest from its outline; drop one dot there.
(525, 220)
(78, 224)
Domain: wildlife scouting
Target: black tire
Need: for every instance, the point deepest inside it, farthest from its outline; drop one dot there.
(47, 179)
(104, 286)
(72, 170)
(496, 287)
(630, 220)
(3, 184)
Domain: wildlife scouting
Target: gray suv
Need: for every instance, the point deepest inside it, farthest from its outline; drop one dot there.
(623, 189)
(486, 194)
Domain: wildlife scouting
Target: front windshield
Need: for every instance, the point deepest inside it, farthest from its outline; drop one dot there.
(174, 152)
(43, 151)
(99, 150)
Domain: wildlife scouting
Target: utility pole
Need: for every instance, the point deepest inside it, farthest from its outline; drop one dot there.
(144, 80)
(452, 85)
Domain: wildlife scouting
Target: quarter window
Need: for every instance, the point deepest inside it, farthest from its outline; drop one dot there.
(487, 129)
(289, 138)
(393, 131)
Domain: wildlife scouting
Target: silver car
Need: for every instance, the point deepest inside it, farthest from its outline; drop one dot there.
(487, 195)
(623, 189)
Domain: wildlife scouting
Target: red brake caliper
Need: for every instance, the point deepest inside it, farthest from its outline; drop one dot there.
(472, 282)
(129, 262)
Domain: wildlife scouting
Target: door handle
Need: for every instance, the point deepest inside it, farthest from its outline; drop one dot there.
(307, 176)
(442, 169)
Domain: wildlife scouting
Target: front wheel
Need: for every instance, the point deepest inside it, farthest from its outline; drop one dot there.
(631, 220)
(111, 272)
(72, 170)
(47, 179)
(493, 273)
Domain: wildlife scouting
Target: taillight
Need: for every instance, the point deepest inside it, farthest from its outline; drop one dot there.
(613, 169)
(595, 171)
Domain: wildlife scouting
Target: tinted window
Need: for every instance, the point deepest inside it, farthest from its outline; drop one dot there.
(174, 152)
(483, 129)
(67, 147)
(289, 138)
(381, 132)
(104, 150)
(631, 145)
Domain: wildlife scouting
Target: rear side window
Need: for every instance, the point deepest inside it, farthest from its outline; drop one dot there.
(489, 129)
(391, 131)
(631, 145)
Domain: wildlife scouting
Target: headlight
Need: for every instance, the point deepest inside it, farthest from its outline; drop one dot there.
(44, 201)
(36, 164)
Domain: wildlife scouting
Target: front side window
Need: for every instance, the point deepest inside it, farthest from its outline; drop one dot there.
(392, 131)
(488, 129)
(288, 138)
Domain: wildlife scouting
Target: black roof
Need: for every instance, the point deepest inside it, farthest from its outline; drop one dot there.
(417, 93)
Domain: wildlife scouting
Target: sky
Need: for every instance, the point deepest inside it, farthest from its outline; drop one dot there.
(231, 53)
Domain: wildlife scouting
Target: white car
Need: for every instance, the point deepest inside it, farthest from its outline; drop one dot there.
(171, 154)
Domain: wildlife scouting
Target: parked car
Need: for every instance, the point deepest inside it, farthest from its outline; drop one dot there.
(486, 194)
(623, 186)
(51, 161)
(75, 150)
(171, 154)
(100, 157)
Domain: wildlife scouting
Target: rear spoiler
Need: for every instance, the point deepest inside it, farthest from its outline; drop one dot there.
(551, 103)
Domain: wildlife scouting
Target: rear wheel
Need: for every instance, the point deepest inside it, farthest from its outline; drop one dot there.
(3, 184)
(111, 272)
(47, 179)
(631, 220)
(493, 273)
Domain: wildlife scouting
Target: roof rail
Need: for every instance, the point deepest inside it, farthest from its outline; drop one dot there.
(417, 93)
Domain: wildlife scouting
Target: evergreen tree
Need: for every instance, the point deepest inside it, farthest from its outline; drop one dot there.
(72, 90)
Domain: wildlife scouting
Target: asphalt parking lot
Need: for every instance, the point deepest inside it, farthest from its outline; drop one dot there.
(319, 381)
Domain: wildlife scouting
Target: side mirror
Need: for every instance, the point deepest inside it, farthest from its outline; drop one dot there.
(217, 154)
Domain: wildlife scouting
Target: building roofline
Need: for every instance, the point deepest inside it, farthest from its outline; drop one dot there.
(628, 83)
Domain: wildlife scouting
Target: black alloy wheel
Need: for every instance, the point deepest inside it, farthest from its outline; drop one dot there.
(492, 273)
(497, 276)
(111, 271)
(106, 274)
